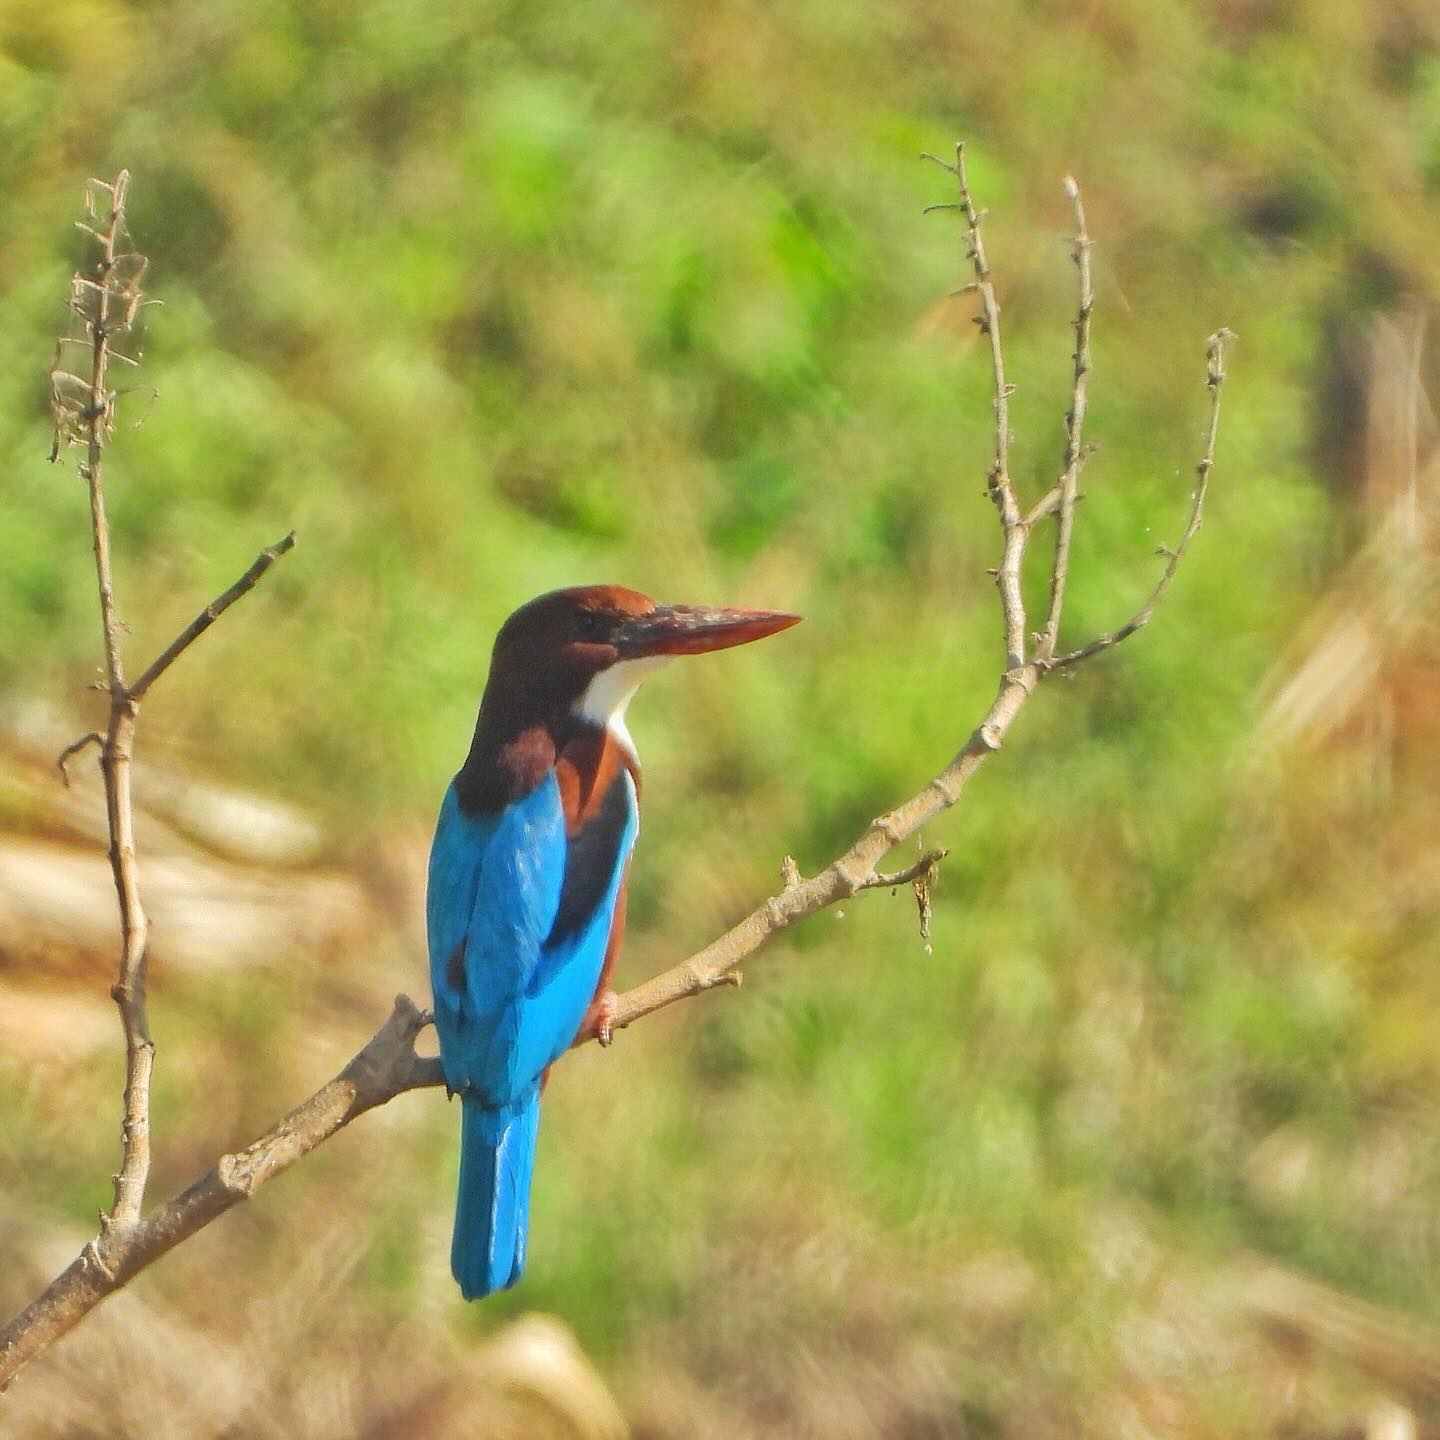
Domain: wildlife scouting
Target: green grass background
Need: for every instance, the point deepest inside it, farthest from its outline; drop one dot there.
(489, 298)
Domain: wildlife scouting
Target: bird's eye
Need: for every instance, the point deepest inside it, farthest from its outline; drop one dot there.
(589, 624)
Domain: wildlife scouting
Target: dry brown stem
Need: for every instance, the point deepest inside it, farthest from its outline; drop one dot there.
(1067, 487)
(105, 304)
(211, 613)
(1214, 381)
(387, 1065)
(923, 869)
(999, 486)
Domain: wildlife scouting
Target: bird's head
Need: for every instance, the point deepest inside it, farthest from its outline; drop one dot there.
(584, 651)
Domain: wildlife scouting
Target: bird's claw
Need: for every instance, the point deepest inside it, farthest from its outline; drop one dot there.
(602, 1018)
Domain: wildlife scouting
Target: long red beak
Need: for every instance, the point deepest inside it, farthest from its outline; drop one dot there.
(694, 629)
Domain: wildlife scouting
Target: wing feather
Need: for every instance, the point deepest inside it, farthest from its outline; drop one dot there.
(520, 917)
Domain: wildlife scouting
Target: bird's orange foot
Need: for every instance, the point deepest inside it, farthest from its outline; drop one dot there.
(600, 1019)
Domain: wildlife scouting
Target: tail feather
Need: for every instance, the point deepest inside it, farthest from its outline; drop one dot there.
(492, 1210)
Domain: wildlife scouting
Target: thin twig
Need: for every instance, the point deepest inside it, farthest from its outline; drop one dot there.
(999, 486)
(210, 614)
(1044, 507)
(922, 869)
(1074, 457)
(1214, 380)
(95, 422)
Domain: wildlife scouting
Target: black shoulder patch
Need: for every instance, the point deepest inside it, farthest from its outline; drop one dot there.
(455, 969)
(592, 857)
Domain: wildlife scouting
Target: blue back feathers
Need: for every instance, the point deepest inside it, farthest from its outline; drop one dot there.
(519, 917)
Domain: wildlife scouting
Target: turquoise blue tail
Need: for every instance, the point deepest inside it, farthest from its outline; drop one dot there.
(492, 1211)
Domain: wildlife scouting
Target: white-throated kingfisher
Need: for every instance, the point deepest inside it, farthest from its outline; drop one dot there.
(526, 901)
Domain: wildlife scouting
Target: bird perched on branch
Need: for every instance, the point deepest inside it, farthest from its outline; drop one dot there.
(528, 868)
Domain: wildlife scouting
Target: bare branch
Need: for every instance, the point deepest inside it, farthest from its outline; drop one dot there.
(999, 486)
(851, 872)
(1043, 508)
(89, 423)
(106, 302)
(1214, 380)
(95, 420)
(387, 1066)
(210, 614)
(1074, 459)
(922, 869)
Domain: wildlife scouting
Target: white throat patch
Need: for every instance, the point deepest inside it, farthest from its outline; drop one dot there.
(609, 692)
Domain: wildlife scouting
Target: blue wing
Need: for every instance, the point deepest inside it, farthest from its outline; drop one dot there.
(519, 917)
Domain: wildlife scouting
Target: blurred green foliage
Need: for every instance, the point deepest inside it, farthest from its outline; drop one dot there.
(484, 299)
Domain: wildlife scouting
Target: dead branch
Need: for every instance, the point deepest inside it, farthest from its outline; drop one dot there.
(96, 301)
(998, 483)
(105, 304)
(387, 1065)
(1066, 487)
(1214, 380)
(210, 614)
(923, 869)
